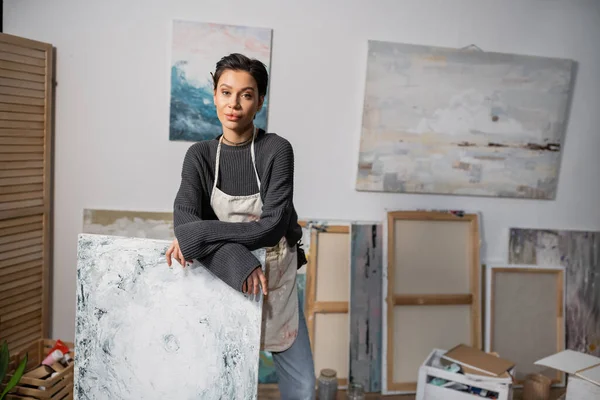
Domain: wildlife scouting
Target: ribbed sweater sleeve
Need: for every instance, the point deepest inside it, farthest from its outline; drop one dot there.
(277, 203)
(231, 262)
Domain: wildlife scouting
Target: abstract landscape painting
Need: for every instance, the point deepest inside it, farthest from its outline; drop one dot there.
(579, 253)
(144, 330)
(462, 122)
(196, 48)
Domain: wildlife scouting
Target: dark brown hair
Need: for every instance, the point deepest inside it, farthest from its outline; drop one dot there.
(239, 62)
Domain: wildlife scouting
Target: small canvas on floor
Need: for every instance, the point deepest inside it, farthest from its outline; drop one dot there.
(525, 316)
(144, 330)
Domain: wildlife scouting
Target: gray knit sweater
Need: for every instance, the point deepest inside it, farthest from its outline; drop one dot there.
(224, 247)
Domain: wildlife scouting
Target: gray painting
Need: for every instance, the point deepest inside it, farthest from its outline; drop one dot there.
(452, 121)
(147, 331)
(366, 268)
(579, 253)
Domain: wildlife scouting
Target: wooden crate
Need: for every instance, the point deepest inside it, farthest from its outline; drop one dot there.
(59, 387)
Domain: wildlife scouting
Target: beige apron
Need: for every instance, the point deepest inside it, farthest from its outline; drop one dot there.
(280, 306)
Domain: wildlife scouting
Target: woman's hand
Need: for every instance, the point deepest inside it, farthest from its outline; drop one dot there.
(175, 251)
(254, 279)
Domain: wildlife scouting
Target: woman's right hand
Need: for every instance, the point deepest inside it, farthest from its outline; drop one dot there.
(175, 251)
(255, 281)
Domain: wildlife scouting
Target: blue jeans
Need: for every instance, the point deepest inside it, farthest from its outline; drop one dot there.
(295, 366)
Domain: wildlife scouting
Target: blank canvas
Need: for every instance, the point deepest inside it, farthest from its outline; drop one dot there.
(327, 298)
(579, 253)
(524, 311)
(430, 290)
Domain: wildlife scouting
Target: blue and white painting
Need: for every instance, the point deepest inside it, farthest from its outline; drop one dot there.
(195, 50)
(148, 331)
(462, 122)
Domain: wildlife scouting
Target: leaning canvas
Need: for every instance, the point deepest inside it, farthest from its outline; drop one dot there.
(579, 253)
(159, 225)
(144, 330)
(462, 122)
(196, 47)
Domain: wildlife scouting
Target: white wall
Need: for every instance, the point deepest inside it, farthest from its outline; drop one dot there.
(112, 104)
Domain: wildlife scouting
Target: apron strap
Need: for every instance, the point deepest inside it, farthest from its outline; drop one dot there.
(254, 158)
(217, 167)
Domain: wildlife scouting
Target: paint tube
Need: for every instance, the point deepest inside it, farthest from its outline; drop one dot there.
(53, 357)
(59, 345)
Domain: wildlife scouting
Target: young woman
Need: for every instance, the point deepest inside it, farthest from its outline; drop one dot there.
(236, 196)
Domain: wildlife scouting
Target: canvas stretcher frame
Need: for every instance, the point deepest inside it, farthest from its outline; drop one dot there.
(491, 274)
(314, 307)
(435, 302)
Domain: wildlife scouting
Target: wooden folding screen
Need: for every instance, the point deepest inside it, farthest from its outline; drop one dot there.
(327, 298)
(525, 316)
(26, 88)
(431, 289)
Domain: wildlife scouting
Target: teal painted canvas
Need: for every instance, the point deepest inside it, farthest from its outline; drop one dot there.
(196, 47)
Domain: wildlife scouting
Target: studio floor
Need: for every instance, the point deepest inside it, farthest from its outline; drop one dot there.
(272, 393)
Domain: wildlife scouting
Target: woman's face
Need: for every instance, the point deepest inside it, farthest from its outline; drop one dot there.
(237, 101)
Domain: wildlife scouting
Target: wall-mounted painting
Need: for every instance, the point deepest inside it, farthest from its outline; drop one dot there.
(462, 122)
(196, 47)
(579, 253)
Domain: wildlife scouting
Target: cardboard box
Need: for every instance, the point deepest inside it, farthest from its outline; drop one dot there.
(478, 362)
(583, 370)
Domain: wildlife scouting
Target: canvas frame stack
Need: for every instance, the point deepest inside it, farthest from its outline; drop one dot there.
(393, 299)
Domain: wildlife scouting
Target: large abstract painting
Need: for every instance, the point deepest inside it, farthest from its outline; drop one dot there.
(462, 122)
(159, 225)
(196, 48)
(579, 253)
(144, 330)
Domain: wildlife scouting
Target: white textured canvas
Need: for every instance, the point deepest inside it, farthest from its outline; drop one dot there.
(147, 331)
